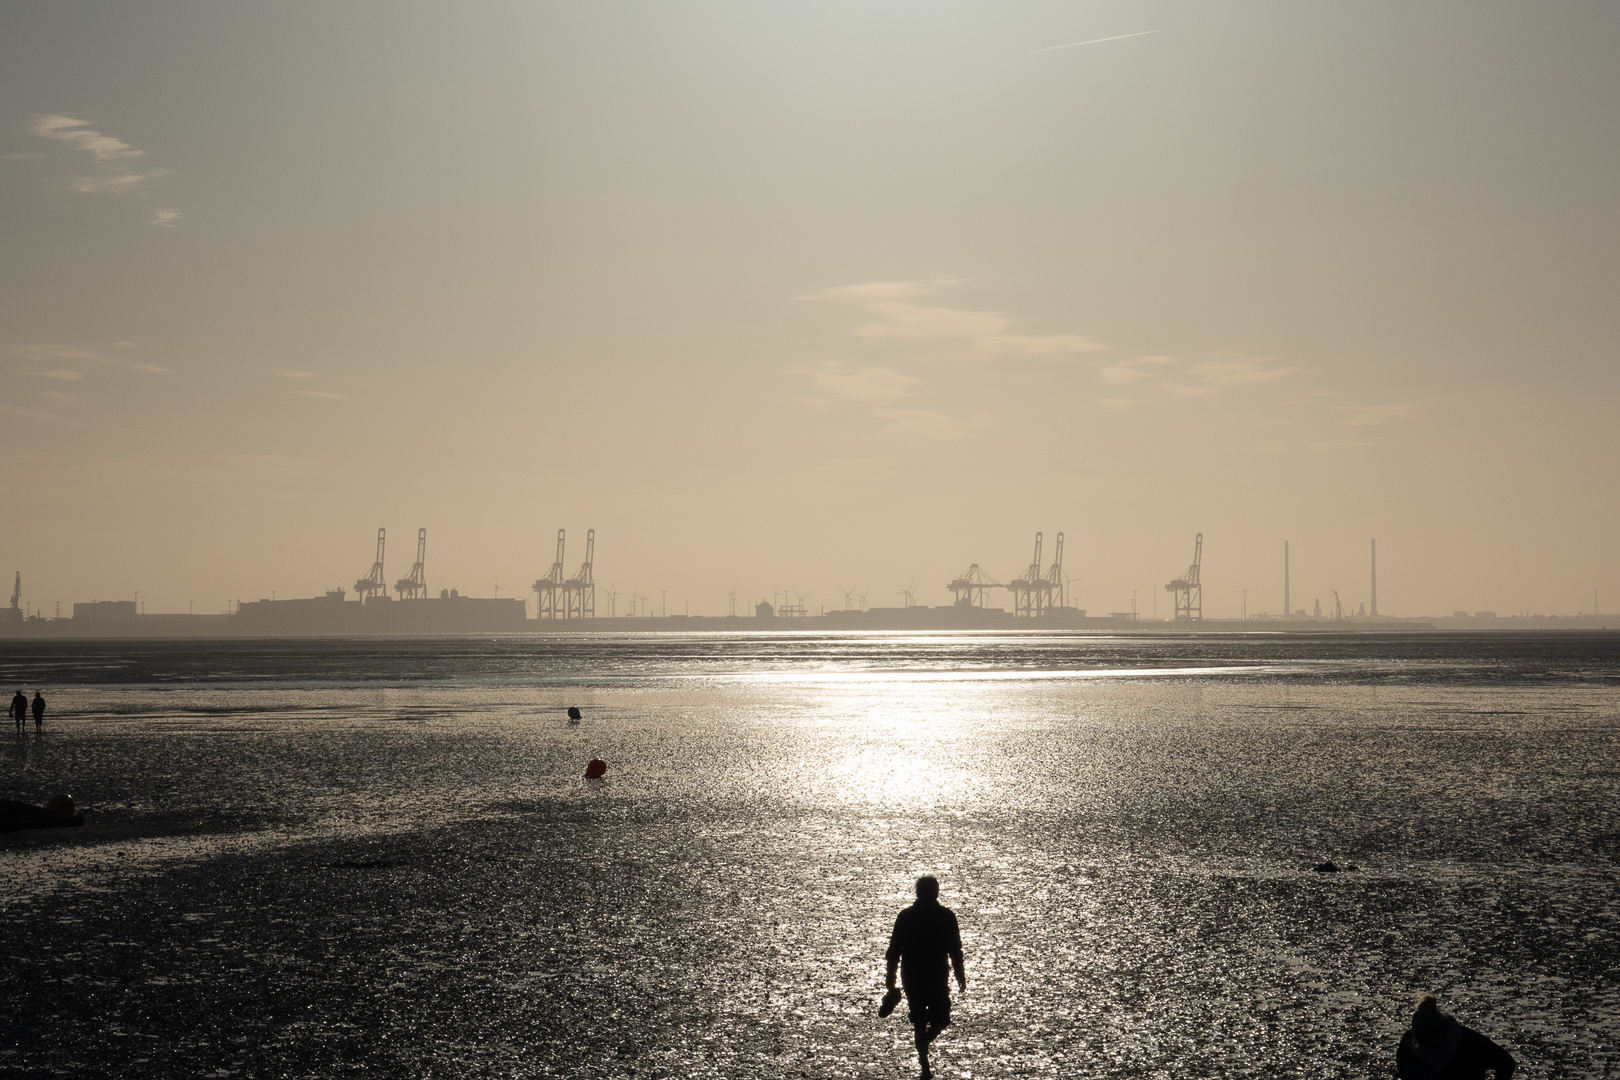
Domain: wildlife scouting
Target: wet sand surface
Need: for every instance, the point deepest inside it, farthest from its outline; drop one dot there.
(414, 880)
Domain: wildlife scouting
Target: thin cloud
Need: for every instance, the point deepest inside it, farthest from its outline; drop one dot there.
(79, 135)
(901, 316)
(59, 374)
(44, 353)
(48, 353)
(1170, 375)
(1236, 371)
(296, 374)
(1117, 404)
(865, 384)
(324, 395)
(124, 181)
(1378, 415)
(1130, 371)
(115, 160)
(1094, 41)
(921, 426)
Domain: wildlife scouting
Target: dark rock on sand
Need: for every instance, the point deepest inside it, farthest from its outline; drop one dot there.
(17, 816)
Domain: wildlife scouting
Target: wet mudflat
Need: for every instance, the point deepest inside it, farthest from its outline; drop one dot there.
(414, 880)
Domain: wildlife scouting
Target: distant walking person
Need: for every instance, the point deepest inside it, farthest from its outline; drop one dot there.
(19, 709)
(39, 710)
(926, 946)
(1439, 1048)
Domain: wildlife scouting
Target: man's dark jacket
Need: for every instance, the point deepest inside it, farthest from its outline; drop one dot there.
(1466, 1055)
(925, 938)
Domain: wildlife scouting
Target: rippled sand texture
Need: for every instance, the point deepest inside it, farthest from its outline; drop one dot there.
(409, 877)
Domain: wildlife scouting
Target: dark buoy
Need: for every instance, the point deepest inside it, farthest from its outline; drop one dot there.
(573, 714)
(596, 769)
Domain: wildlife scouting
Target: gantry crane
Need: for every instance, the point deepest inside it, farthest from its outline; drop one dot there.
(1054, 578)
(414, 587)
(970, 585)
(551, 585)
(1028, 587)
(1188, 590)
(579, 591)
(373, 584)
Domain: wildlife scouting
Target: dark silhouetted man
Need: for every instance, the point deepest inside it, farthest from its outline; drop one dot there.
(1439, 1048)
(19, 709)
(39, 710)
(926, 946)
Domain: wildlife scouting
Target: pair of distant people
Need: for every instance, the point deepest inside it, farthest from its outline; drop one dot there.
(926, 945)
(20, 709)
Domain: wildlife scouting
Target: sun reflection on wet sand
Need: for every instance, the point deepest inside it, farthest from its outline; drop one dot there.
(415, 874)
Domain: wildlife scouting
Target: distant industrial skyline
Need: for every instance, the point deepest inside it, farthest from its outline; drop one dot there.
(609, 599)
(812, 298)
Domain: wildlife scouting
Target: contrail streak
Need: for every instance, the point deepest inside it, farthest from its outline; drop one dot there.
(1093, 41)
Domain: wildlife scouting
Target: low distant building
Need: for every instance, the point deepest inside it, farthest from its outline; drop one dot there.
(105, 611)
(331, 614)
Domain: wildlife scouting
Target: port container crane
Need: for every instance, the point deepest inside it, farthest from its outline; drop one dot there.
(1054, 577)
(549, 587)
(373, 584)
(414, 587)
(970, 585)
(1028, 587)
(1188, 589)
(579, 591)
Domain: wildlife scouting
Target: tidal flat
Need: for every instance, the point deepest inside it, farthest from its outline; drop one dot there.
(389, 863)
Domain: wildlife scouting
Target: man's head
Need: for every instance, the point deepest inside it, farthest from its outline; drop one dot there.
(928, 887)
(1428, 1017)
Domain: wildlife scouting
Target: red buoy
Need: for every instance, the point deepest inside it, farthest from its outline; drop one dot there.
(596, 768)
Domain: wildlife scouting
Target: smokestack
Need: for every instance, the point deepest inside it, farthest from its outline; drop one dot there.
(1375, 575)
(1288, 611)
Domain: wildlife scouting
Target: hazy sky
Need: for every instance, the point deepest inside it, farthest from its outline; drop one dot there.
(812, 296)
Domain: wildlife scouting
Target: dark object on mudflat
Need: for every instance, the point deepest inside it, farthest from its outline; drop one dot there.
(1329, 867)
(573, 712)
(596, 769)
(890, 1000)
(17, 816)
(1437, 1047)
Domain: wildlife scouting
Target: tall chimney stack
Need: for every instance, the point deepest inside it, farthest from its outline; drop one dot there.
(1375, 576)
(1288, 610)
